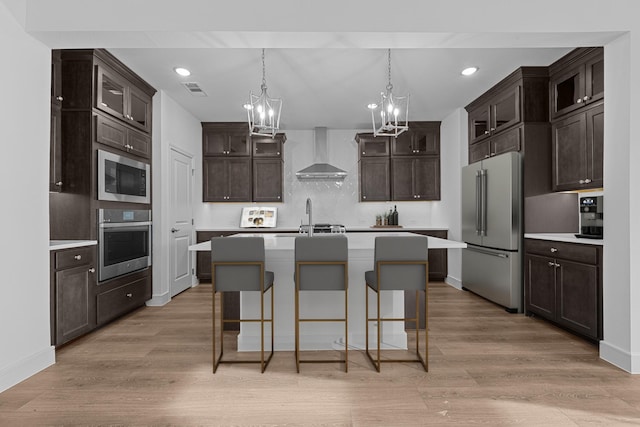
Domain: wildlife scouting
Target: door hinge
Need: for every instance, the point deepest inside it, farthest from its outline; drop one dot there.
(193, 172)
(192, 223)
(193, 272)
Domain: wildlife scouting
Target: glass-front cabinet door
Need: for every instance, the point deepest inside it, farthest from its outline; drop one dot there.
(139, 109)
(110, 96)
(505, 110)
(479, 124)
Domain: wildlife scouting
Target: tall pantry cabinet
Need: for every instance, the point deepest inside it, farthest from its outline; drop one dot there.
(98, 103)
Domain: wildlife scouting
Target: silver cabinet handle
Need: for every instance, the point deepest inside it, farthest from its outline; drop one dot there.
(129, 295)
(579, 101)
(486, 132)
(363, 152)
(581, 181)
(551, 264)
(587, 181)
(586, 98)
(59, 98)
(278, 153)
(59, 184)
(492, 129)
(78, 257)
(92, 270)
(557, 265)
(278, 197)
(364, 197)
(486, 156)
(554, 250)
(175, 230)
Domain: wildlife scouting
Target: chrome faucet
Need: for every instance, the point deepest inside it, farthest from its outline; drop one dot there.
(308, 211)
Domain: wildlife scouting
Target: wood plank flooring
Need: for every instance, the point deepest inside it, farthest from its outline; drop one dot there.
(487, 367)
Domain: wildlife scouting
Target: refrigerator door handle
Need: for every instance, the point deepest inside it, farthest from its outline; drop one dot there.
(483, 202)
(485, 252)
(478, 203)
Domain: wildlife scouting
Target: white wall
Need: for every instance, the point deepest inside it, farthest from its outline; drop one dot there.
(173, 128)
(24, 178)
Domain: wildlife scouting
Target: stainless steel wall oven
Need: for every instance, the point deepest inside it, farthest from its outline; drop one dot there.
(124, 241)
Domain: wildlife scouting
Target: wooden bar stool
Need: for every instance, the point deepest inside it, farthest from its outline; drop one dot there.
(237, 264)
(321, 265)
(401, 263)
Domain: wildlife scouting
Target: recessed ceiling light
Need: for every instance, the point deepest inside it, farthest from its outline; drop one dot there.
(182, 71)
(469, 71)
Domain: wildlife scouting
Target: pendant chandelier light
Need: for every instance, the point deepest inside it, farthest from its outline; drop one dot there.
(391, 117)
(263, 112)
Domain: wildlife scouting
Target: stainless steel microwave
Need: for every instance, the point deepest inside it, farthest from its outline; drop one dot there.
(122, 179)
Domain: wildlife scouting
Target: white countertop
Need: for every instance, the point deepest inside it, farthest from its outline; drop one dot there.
(359, 228)
(357, 241)
(55, 245)
(564, 237)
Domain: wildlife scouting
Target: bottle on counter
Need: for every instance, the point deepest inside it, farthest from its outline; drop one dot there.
(395, 215)
(390, 216)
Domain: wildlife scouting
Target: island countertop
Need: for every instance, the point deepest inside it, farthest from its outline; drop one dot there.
(357, 241)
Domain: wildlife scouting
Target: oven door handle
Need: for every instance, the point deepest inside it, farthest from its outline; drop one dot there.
(124, 224)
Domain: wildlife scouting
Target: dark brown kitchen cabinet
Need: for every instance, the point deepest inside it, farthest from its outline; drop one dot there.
(55, 136)
(415, 178)
(563, 284)
(55, 149)
(122, 295)
(403, 168)
(374, 179)
(422, 138)
(267, 180)
(510, 140)
(576, 81)
(225, 139)
(73, 279)
(263, 146)
(496, 114)
(371, 146)
(226, 179)
(499, 118)
(577, 150)
(119, 97)
(114, 134)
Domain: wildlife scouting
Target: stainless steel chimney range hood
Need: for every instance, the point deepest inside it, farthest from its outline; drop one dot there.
(321, 170)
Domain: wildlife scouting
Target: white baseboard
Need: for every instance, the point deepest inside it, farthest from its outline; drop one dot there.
(159, 300)
(23, 369)
(452, 281)
(618, 357)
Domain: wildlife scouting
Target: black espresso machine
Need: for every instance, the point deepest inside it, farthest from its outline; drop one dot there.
(591, 217)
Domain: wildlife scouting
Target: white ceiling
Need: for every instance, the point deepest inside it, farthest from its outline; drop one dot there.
(328, 87)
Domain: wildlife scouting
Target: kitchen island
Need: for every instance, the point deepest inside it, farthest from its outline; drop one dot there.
(279, 258)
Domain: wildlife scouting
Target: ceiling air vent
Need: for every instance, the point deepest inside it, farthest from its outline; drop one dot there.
(194, 89)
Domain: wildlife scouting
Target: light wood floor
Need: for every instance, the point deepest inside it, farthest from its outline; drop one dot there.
(487, 367)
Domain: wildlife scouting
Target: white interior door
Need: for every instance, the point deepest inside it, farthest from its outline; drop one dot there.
(181, 214)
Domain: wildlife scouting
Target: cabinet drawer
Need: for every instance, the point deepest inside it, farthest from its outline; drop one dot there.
(122, 299)
(587, 254)
(74, 257)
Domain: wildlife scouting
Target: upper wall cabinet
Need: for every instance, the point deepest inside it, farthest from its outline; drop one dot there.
(576, 80)
(422, 139)
(520, 97)
(497, 113)
(403, 168)
(225, 139)
(119, 97)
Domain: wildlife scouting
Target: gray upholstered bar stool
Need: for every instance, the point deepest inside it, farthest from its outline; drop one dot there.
(237, 264)
(321, 265)
(401, 264)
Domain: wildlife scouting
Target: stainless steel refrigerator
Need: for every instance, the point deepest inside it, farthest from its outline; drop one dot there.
(492, 229)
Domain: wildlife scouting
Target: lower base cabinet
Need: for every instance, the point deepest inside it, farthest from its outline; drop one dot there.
(563, 284)
(73, 307)
(122, 295)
